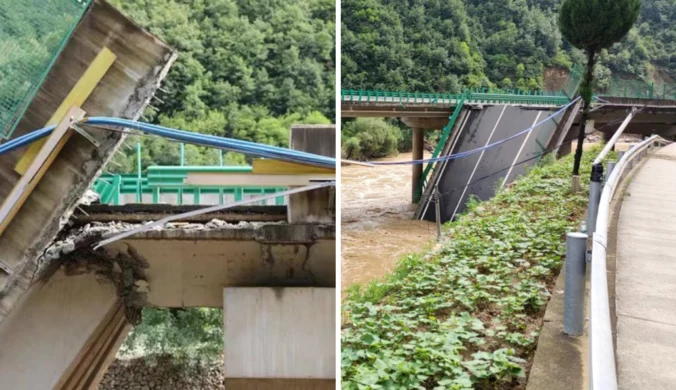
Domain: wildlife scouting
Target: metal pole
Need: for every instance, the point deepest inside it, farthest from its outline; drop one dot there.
(139, 196)
(573, 313)
(615, 136)
(610, 167)
(438, 211)
(180, 190)
(594, 197)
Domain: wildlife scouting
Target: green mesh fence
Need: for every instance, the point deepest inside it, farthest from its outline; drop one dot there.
(630, 89)
(573, 83)
(639, 89)
(32, 34)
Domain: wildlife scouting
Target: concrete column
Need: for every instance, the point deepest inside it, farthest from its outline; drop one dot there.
(279, 338)
(316, 206)
(418, 147)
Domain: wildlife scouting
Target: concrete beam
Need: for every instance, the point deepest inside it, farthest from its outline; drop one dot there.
(142, 62)
(279, 338)
(76, 98)
(138, 213)
(189, 267)
(316, 206)
(37, 165)
(426, 123)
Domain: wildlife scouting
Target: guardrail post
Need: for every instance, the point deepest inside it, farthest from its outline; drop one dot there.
(594, 197)
(437, 208)
(611, 166)
(573, 313)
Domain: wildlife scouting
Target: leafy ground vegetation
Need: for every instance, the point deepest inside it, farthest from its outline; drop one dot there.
(468, 315)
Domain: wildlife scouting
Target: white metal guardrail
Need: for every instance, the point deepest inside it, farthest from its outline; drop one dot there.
(602, 373)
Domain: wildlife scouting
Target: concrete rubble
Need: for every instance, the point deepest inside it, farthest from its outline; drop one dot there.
(138, 374)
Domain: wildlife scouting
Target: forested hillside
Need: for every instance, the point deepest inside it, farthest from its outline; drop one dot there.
(435, 45)
(246, 69)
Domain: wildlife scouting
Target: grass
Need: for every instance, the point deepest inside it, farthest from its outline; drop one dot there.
(468, 315)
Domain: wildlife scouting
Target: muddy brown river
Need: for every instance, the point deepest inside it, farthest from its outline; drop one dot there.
(377, 229)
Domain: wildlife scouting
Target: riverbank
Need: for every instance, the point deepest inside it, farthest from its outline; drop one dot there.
(469, 314)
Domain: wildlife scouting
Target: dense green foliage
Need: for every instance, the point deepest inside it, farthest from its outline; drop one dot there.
(192, 335)
(246, 69)
(592, 26)
(468, 315)
(595, 25)
(366, 138)
(430, 45)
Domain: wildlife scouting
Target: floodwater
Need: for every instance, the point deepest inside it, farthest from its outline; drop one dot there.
(377, 229)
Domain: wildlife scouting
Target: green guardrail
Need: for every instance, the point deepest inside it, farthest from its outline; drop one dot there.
(446, 132)
(32, 35)
(159, 180)
(397, 97)
(111, 189)
(472, 95)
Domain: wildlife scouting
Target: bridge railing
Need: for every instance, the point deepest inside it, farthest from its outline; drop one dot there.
(160, 186)
(472, 95)
(602, 373)
(446, 132)
(353, 95)
(166, 184)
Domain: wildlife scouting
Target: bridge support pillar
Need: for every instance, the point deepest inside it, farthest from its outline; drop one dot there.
(418, 148)
(316, 206)
(279, 338)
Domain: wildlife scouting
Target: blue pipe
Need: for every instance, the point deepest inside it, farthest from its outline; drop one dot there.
(246, 147)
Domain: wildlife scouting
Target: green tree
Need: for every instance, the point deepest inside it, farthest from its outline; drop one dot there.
(593, 25)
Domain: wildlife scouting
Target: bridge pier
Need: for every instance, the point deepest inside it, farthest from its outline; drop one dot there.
(418, 149)
(283, 337)
(279, 338)
(419, 125)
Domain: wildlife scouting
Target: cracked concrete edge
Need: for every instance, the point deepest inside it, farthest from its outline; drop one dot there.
(23, 275)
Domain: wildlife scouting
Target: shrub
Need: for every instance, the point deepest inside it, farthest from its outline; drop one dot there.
(367, 138)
